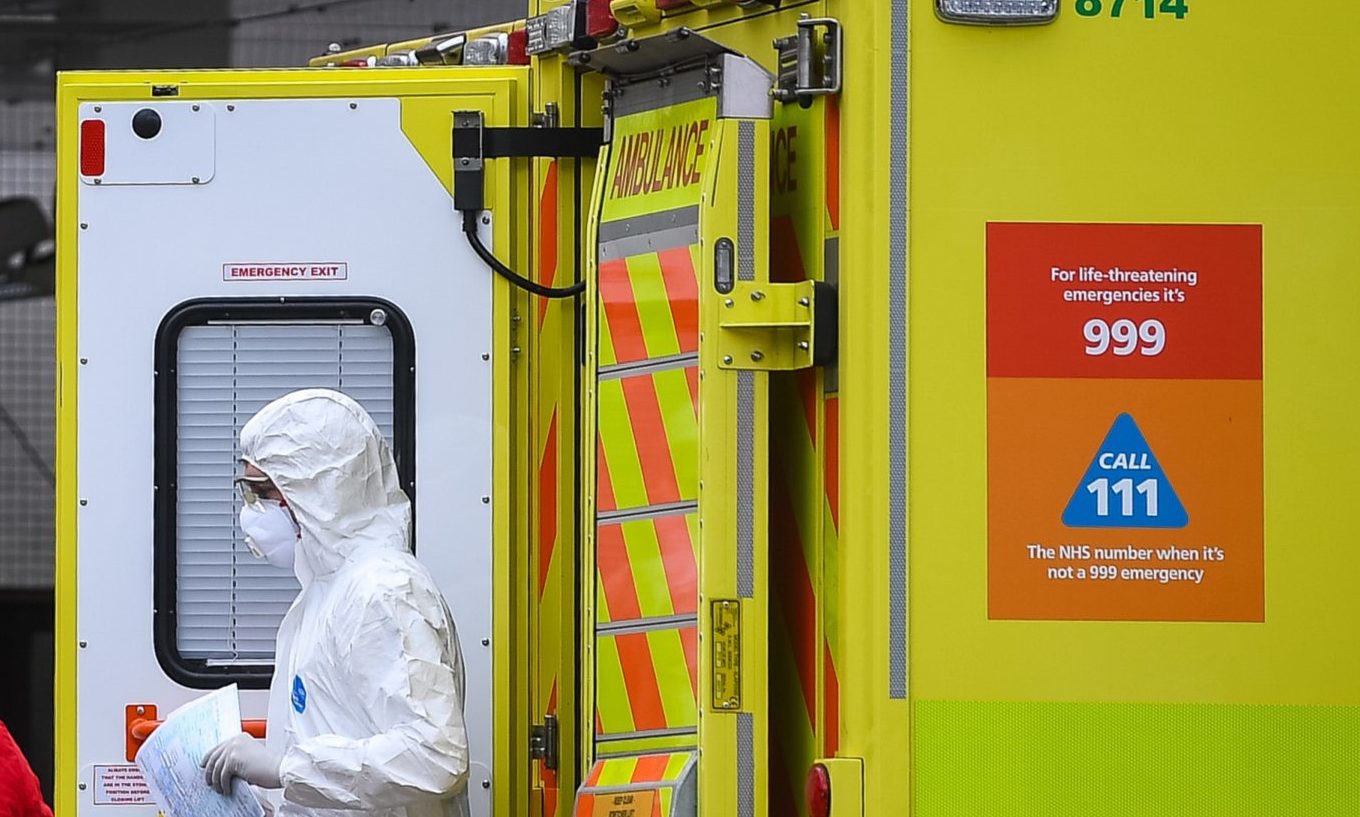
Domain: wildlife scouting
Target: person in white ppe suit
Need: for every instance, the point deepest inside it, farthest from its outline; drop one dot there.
(366, 705)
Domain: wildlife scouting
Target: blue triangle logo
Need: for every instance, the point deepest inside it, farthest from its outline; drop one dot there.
(1125, 486)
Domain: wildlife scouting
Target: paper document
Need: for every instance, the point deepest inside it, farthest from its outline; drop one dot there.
(171, 759)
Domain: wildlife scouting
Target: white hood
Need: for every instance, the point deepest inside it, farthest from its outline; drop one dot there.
(336, 472)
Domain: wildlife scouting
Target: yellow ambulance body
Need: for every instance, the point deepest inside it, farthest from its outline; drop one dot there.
(953, 422)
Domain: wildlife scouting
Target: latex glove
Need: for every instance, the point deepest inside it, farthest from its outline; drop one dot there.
(245, 757)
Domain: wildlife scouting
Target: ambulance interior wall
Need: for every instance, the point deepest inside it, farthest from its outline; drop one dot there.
(52, 35)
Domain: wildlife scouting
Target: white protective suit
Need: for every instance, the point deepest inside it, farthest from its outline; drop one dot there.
(366, 706)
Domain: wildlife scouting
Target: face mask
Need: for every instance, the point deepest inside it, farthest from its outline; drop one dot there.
(271, 533)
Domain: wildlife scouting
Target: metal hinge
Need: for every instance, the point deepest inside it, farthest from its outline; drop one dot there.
(543, 742)
(777, 326)
(810, 61)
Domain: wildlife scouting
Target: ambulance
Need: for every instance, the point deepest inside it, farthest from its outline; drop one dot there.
(841, 407)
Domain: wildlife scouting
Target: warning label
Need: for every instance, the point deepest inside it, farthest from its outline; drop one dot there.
(625, 804)
(303, 271)
(120, 786)
(1124, 422)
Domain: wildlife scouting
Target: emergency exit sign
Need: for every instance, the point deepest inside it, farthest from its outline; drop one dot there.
(1124, 422)
(290, 271)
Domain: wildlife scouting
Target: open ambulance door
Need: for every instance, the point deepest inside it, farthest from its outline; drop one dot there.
(683, 327)
(226, 238)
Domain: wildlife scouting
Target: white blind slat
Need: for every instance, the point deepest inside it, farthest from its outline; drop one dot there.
(229, 604)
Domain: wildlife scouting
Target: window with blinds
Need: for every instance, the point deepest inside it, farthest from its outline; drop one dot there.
(227, 605)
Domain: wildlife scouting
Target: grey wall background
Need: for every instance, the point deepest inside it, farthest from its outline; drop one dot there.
(37, 39)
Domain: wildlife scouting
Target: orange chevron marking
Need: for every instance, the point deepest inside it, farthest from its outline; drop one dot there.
(689, 641)
(677, 558)
(616, 574)
(625, 327)
(682, 290)
(639, 676)
(650, 768)
(692, 380)
(547, 504)
(649, 434)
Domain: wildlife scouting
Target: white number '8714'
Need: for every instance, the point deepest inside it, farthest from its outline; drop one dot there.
(1124, 337)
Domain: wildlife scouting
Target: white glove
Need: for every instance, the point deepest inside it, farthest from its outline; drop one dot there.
(244, 757)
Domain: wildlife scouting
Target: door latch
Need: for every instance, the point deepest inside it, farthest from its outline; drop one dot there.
(777, 326)
(810, 60)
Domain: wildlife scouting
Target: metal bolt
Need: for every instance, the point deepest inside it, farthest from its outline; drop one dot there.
(84, 502)
(84, 644)
(80, 786)
(464, 161)
(486, 219)
(231, 107)
(98, 181)
(514, 350)
(486, 500)
(757, 355)
(98, 108)
(195, 107)
(84, 360)
(804, 301)
(727, 359)
(353, 105)
(486, 355)
(141, 710)
(377, 317)
(802, 344)
(486, 642)
(757, 295)
(333, 48)
(84, 226)
(486, 784)
(728, 303)
(195, 180)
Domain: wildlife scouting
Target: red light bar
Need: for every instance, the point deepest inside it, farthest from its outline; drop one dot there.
(600, 22)
(516, 47)
(92, 147)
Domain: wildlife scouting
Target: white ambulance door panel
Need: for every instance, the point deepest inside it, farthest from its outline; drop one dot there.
(272, 245)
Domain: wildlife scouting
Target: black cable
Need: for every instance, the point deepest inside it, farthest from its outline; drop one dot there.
(470, 228)
(27, 445)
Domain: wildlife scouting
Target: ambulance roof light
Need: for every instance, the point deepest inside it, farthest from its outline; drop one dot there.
(491, 49)
(997, 12)
(516, 52)
(579, 24)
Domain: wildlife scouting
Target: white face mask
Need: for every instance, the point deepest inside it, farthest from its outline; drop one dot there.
(271, 533)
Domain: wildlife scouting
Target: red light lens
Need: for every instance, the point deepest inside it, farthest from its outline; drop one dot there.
(92, 147)
(516, 47)
(600, 20)
(818, 791)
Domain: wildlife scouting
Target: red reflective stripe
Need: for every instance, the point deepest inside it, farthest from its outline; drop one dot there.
(832, 737)
(795, 588)
(593, 779)
(547, 504)
(92, 147)
(656, 807)
(682, 290)
(616, 574)
(625, 328)
(639, 676)
(677, 558)
(547, 243)
(604, 489)
(689, 642)
(833, 458)
(692, 379)
(599, 728)
(650, 769)
(833, 162)
(649, 434)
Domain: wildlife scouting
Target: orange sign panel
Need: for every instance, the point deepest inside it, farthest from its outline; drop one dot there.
(1124, 431)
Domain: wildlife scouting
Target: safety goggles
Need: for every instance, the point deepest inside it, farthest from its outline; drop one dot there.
(253, 490)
